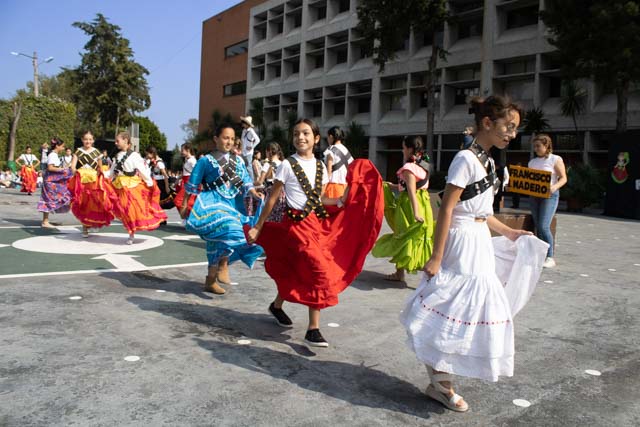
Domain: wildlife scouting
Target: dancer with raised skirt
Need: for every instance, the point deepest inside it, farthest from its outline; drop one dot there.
(409, 215)
(94, 198)
(28, 175)
(316, 252)
(55, 196)
(138, 194)
(218, 214)
(460, 319)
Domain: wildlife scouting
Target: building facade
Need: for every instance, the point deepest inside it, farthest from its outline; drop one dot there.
(223, 66)
(306, 57)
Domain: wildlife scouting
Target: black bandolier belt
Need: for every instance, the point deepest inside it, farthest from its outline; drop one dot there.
(313, 194)
(119, 167)
(342, 159)
(490, 181)
(90, 159)
(229, 173)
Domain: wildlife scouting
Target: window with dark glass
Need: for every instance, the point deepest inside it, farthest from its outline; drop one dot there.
(236, 49)
(338, 108)
(341, 56)
(522, 17)
(344, 6)
(237, 88)
(317, 110)
(319, 61)
(364, 105)
(462, 94)
(321, 12)
(295, 67)
(467, 29)
(555, 87)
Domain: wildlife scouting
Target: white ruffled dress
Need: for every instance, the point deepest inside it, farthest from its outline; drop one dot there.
(461, 320)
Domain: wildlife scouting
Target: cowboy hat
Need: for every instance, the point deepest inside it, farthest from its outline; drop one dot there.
(248, 120)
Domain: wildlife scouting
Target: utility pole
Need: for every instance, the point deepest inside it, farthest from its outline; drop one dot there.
(34, 61)
(36, 84)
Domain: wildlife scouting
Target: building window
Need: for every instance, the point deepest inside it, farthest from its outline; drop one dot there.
(297, 20)
(321, 12)
(555, 87)
(467, 29)
(344, 6)
(462, 94)
(338, 108)
(236, 49)
(320, 61)
(295, 67)
(237, 88)
(522, 17)
(341, 56)
(364, 105)
(316, 110)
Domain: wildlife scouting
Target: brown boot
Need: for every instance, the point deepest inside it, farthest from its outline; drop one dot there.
(223, 273)
(212, 285)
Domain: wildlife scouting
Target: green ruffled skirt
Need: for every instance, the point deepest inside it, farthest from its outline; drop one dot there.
(411, 243)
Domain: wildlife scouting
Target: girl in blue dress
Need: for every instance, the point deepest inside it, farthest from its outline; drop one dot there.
(218, 214)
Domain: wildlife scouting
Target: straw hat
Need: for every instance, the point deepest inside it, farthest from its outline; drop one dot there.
(248, 120)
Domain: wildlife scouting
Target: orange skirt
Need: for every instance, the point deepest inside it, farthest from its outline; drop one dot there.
(315, 259)
(334, 190)
(139, 206)
(180, 195)
(29, 178)
(94, 203)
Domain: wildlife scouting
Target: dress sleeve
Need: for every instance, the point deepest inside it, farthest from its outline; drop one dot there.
(283, 172)
(197, 175)
(142, 168)
(460, 172)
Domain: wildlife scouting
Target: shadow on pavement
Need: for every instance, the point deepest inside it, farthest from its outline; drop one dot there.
(370, 280)
(355, 384)
(225, 324)
(146, 280)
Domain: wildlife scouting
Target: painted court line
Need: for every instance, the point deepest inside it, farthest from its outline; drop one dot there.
(106, 270)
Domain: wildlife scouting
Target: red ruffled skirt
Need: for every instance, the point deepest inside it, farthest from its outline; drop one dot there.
(180, 195)
(138, 205)
(315, 259)
(95, 201)
(29, 178)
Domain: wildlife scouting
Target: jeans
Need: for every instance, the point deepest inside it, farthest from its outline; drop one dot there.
(542, 211)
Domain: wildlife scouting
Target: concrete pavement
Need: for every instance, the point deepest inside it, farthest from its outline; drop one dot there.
(211, 360)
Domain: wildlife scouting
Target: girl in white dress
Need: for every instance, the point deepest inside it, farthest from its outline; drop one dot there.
(459, 319)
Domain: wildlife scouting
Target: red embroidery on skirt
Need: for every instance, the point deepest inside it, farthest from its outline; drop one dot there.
(462, 322)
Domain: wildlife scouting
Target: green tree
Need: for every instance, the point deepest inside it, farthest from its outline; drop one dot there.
(41, 119)
(600, 40)
(356, 140)
(190, 128)
(112, 85)
(150, 134)
(61, 86)
(389, 23)
(534, 121)
(573, 102)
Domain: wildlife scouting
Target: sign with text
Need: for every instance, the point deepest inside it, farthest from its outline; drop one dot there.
(532, 182)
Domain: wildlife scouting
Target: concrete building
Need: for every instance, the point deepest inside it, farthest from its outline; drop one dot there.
(223, 66)
(305, 56)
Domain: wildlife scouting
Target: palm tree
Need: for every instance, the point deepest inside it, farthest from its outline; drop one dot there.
(573, 101)
(535, 122)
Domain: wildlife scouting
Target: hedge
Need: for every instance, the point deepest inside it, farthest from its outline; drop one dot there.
(41, 119)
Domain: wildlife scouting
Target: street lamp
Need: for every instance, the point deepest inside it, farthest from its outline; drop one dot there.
(34, 59)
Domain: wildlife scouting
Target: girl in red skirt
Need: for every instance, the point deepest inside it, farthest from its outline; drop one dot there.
(189, 163)
(28, 175)
(94, 199)
(138, 194)
(325, 247)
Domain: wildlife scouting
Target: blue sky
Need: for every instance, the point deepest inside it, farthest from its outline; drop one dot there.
(165, 37)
